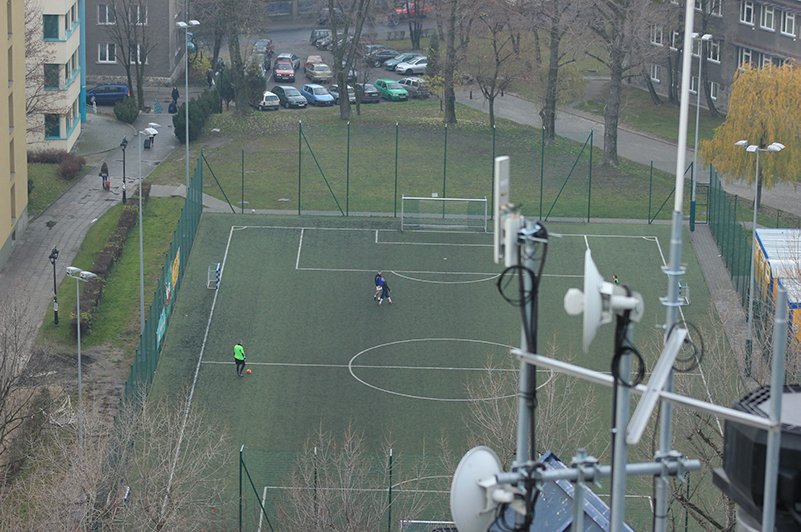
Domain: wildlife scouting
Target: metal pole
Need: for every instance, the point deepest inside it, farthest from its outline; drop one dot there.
(123, 146)
(749, 337)
(53, 259)
(389, 502)
(578, 493)
(241, 459)
(347, 175)
(589, 181)
(395, 201)
(141, 247)
(674, 270)
(80, 383)
(445, 164)
(695, 146)
(492, 174)
(542, 166)
(620, 451)
(242, 205)
(300, 135)
(186, 92)
(650, 188)
(775, 411)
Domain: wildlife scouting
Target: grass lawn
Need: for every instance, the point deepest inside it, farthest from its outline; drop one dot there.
(47, 187)
(639, 113)
(116, 321)
(364, 179)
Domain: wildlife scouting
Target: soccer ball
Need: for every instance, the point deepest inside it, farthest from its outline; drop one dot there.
(248, 371)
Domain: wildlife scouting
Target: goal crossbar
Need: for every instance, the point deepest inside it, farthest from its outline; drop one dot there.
(456, 214)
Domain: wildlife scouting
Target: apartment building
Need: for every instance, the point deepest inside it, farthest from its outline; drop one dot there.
(159, 43)
(54, 73)
(742, 32)
(13, 162)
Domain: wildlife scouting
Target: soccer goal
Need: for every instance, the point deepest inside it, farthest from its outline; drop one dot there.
(409, 525)
(452, 214)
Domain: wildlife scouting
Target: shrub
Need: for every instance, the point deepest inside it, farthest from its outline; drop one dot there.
(70, 166)
(200, 109)
(46, 156)
(30, 186)
(126, 110)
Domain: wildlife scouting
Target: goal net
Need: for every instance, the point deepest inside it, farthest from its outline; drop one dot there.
(453, 214)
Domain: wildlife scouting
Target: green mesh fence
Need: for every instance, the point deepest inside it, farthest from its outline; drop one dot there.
(158, 315)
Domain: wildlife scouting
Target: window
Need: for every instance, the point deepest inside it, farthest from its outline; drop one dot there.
(788, 23)
(137, 56)
(12, 161)
(106, 52)
(139, 13)
(9, 17)
(747, 12)
(50, 26)
(73, 14)
(745, 57)
(52, 125)
(698, 5)
(656, 73)
(696, 47)
(713, 53)
(767, 19)
(716, 8)
(713, 89)
(693, 84)
(11, 111)
(769, 60)
(105, 14)
(51, 74)
(656, 34)
(675, 39)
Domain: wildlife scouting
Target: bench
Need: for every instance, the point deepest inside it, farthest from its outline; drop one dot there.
(213, 278)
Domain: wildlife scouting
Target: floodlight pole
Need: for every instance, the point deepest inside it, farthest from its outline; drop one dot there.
(703, 38)
(674, 270)
(53, 258)
(141, 247)
(620, 452)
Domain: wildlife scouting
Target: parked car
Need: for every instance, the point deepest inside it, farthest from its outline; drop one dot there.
(390, 64)
(391, 90)
(108, 94)
(290, 57)
(367, 93)
(318, 34)
(334, 90)
(319, 73)
(416, 87)
(417, 65)
(378, 57)
(369, 49)
(283, 71)
(289, 96)
(317, 95)
(312, 60)
(269, 100)
(263, 46)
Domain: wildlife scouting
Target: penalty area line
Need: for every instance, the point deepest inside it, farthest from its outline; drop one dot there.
(361, 366)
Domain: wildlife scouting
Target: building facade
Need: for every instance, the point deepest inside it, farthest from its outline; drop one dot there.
(742, 32)
(13, 161)
(54, 73)
(158, 42)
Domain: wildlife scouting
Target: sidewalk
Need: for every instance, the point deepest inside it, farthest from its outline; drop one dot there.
(27, 279)
(632, 145)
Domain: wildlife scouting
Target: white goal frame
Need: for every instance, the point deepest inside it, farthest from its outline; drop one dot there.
(457, 222)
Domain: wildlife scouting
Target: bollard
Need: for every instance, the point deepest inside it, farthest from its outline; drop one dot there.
(471, 94)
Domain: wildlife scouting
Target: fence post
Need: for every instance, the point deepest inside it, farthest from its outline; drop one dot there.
(650, 188)
(589, 185)
(692, 201)
(445, 164)
(243, 182)
(300, 135)
(542, 166)
(241, 459)
(492, 173)
(389, 503)
(347, 174)
(395, 200)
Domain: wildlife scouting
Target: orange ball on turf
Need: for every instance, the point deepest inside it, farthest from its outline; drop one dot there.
(248, 371)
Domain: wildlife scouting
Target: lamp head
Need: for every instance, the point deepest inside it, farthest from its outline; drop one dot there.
(124, 143)
(695, 35)
(86, 276)
(706, 37)
(53, 256)
(72, 271)
(776, 146)
(194, 22)
(752, 148)
(741, 143)
(153, 124)
(181, 24)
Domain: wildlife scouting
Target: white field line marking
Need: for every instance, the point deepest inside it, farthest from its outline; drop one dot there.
(416, 279)
(194, 379)
(300, 245)
(361, 366)
(700, 369)
(263, 502)
(357, 490)
(586, 242)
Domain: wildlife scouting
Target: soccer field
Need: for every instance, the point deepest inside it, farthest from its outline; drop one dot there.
(298, 293)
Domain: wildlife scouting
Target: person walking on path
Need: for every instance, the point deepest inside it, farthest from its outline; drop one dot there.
(175, 95)
(384, 292)
(379, 281)
(104, 175)
(239, 358)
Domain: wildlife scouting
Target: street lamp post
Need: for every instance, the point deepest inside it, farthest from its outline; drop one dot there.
(185, 26)
(123, 145)
(753, 148)
(149, 131)
(85, 276)
(53, 258)
(703, 38)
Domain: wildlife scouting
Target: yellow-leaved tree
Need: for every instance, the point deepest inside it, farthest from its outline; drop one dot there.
(764, 107)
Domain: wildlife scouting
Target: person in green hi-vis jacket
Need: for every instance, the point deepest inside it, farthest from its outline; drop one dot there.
(239, 357)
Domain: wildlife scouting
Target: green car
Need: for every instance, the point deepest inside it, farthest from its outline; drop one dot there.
(391, 90)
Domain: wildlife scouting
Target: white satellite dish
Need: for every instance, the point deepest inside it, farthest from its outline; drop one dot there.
(599, 301)
(472, 506)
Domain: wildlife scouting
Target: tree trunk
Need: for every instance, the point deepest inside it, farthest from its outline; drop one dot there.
(344, 102)
(549, 111)
(655, 99)
(449, 68)
(537, 48)
(671, 83)
(491, 107)
(612, 109)
(237, 73)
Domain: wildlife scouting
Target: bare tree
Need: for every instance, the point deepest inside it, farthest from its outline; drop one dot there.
(212, 31)
(454, 20)
(120, 478)
(133, 41)
(346, 50)
(335, 486)
(38, 101)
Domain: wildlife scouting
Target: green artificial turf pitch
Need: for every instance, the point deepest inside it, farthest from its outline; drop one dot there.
(298, 293)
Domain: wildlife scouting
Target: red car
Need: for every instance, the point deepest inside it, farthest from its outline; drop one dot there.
(283, 71)
(405, 9)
